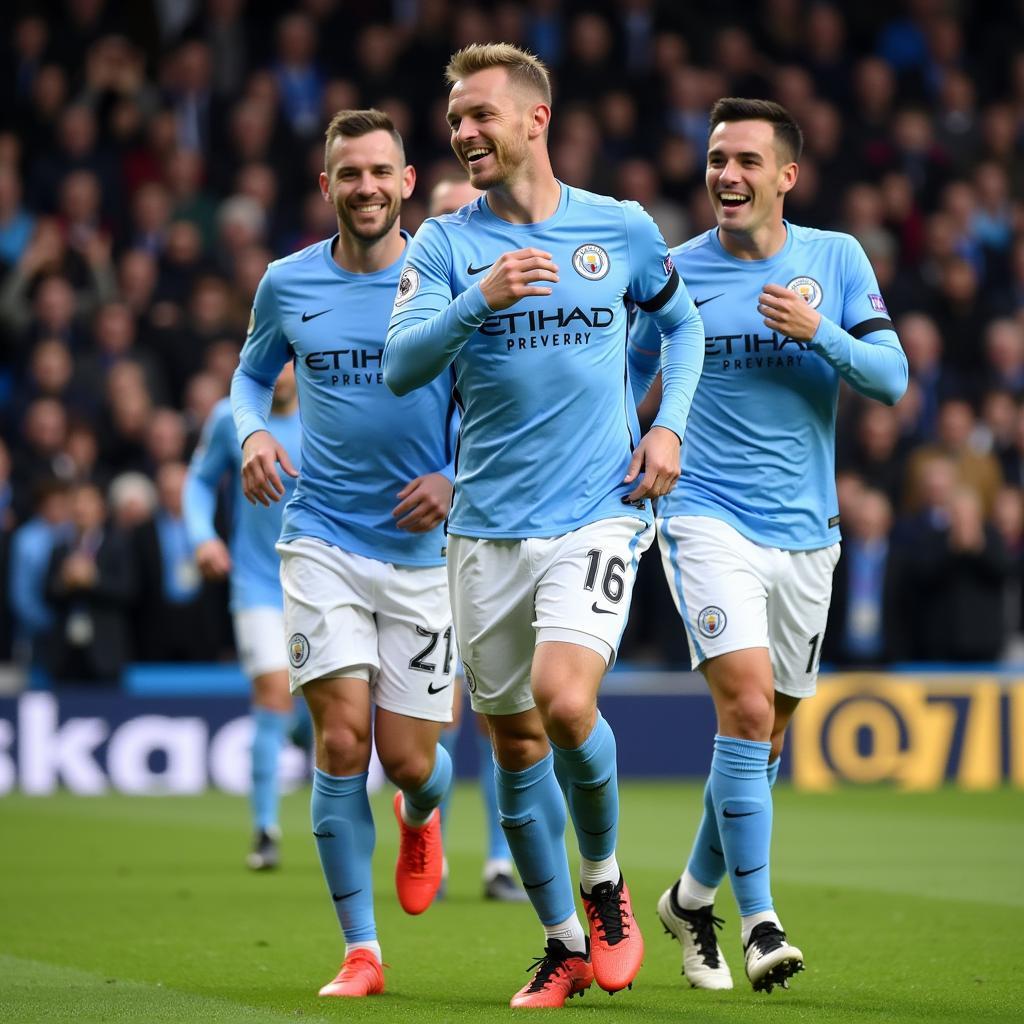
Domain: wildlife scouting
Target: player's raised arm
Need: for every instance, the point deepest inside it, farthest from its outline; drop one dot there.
(864, 349)
(266, 350)
(428, 327)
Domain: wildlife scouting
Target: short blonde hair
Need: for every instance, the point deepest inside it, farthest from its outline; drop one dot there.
(524, 69)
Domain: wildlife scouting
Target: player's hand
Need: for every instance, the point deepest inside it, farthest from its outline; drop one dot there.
(213, 559)
(516, 274)
(657, 455)
(423, 503)
(260, 479)
(786, 312)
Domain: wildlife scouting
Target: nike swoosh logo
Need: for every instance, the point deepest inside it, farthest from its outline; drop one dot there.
(700, 302)
(601, 833)
(602, 611)
(324, 835)
(740, 873)
(742, 814)
(306, 317)
(478, 270)
(344, 895)
(508, 826)
(431, 690)
(539, 885)
(715, 850)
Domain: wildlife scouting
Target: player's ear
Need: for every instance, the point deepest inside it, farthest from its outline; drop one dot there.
(325, 186)
(790, 173)
(540, 118)
(408, 180)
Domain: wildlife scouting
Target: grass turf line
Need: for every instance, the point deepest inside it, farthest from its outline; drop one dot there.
(117, 909)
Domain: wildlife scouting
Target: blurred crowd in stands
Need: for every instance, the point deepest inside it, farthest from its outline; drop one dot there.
(155, 156)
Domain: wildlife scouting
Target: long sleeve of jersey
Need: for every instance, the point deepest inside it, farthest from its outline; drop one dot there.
(265, 352)
(876, 366)
(681, 359)
(864, 350)
(681, 353)
(428, 328)
(210, 462)
(677, 340)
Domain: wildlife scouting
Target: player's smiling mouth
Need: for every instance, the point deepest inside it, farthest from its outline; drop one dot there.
(476, 153)
(369, 207)
(732, 200)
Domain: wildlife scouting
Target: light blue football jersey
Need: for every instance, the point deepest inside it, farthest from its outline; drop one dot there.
(255, 580)
(361, 444)
(548, 419)
(760, 444)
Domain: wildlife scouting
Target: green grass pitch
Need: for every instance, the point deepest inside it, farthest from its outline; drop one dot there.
(907, 908)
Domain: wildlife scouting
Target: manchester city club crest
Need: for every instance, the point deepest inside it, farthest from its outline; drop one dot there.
(470, 678)
(711, 621)
(808, 289)
(298, 650)
(408, 286)
(591, 261)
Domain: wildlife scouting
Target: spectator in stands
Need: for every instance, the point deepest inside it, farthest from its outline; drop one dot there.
(959, 582)
(37, 456)
(115, 337)
(1004, 356)
(132, 498)
(111, 152)
(866, 614)
(298, 76)
(176, 618)
(31, 549)
(90, 586)
(930, 383)
(165, 438)
(996, 431)
(877, 456)
(978, 471)
(1008, 520)
(184, 179)
(16, 222)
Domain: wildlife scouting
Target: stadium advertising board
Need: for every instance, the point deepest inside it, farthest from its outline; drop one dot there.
(915, 732)
(90, 745)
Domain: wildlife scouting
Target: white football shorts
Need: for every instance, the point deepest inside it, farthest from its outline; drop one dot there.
(260, 640)
(348, 615)
(733, 594)
(510, 595)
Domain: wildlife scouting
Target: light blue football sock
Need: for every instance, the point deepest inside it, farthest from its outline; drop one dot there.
(532, 811)
(743, 807)
(268, 736)
(448, 740)
(421, 802)
(589, 779)
(497, 844)
(707, 861)
(345, 837)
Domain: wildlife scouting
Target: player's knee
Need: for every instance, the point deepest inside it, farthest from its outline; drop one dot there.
(747, 715)
(516, 751)
(342, 748)
(568, 717)
(407, 769)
